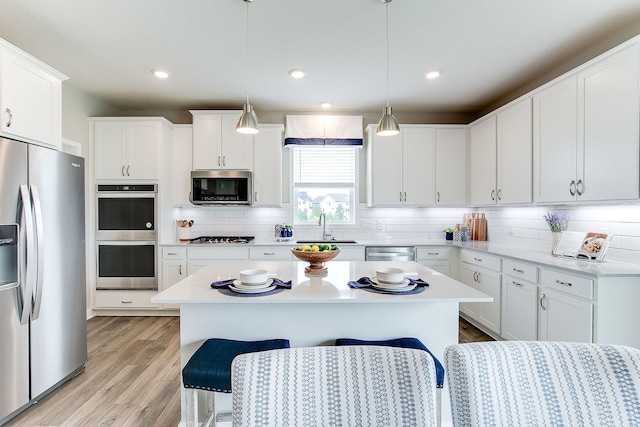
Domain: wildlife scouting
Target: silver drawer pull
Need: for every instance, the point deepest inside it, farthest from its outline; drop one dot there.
(269, 253)
(433, 253)
(560, 282)
(517, 270)
(517, 284)
(126, 302)
(172, 253)
(477, 259)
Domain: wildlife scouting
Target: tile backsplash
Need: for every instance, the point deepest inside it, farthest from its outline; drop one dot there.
(515, 226)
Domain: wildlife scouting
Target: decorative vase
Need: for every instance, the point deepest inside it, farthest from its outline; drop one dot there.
(555, 236)
(448, 235)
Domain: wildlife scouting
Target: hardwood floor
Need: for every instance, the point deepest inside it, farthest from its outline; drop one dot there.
(132, 377)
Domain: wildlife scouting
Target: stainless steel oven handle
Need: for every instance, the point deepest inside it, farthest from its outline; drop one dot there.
(27, 254)
(39, 230)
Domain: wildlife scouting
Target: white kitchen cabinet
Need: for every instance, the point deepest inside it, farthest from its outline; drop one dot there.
(129, 148)
(400, 168)
(482, 272)
(520, 301)
(174, 268)
(30, 98)
(217, 144)
(434, 257)
(181, 155)
(515, 154)
(586, 132)
(267, 166)
(483, 162)
(451, 166)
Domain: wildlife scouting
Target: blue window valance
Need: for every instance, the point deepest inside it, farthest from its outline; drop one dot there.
(324, 130)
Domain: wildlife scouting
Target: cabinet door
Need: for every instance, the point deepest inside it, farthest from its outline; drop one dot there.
(206, 142)
(31, 101)
(143, 142)
(515, 151)
(267, 166)
(236, 148)
(490, 312)
(451, 167)
(555, 141)
(181, 154)
(468, 277)
(609, 122)
(172, 272)
(195, 265)
(386, 170)
(418, 166)
(564, 318)
(110, 142)
(520, 310)
(482, 161)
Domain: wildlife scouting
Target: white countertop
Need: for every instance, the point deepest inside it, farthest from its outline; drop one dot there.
(331, 288)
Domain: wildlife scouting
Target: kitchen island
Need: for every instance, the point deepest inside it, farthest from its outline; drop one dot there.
(317, 310)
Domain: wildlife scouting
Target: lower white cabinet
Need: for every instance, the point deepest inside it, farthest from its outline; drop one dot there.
(487, 279)
(174, 268)
(125, 299)
(436, 258)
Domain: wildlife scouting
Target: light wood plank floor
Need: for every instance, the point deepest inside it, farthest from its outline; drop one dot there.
(132, 377)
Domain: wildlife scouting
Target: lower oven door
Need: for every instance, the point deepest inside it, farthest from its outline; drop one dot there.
(127, 265)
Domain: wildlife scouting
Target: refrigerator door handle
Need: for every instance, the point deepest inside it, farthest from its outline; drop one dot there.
(26, 255)
(37, 213)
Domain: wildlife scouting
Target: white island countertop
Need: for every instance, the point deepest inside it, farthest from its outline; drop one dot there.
(332, 288)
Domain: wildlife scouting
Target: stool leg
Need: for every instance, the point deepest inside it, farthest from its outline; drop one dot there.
(211, 410)
(191, 397)
(439, 406)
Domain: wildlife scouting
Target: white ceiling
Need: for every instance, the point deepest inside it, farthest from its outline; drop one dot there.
(486, 48)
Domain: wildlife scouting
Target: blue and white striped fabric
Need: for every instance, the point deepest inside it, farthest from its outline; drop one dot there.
(334, 386)
(516, 383)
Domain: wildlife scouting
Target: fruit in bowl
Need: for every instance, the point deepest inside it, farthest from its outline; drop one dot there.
(316, 256)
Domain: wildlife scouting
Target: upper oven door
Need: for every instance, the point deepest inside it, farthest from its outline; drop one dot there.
(126, 216)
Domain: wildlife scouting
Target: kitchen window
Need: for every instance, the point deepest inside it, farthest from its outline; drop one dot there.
(324, 180)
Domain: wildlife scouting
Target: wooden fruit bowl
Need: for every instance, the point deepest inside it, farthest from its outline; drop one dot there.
(316, 260)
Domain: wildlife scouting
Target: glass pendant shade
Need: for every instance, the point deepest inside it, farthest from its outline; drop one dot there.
(388, 124)
(248, 123)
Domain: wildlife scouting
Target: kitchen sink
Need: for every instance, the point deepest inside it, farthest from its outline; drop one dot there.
(325, 242)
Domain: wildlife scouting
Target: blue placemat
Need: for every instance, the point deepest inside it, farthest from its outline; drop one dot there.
(230, 293)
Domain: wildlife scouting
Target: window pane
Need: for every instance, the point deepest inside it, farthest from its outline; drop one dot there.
(335, 202)
(323, 164)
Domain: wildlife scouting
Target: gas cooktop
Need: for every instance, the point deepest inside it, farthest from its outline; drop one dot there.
(226, 240)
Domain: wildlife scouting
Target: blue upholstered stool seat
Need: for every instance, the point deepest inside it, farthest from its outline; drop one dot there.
(404, 343)
(210, 366)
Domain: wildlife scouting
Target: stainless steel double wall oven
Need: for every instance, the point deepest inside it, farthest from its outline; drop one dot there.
(126, 236)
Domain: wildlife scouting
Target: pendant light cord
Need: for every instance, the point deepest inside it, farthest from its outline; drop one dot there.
(247, 50)
(386, 4)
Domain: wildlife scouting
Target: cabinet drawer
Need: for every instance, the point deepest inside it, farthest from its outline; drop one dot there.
(218, 253)
(518, 269)
(125, 299)
(574, 285)
(481, 259)
(432, 253)
(270, 253)
(174, 253)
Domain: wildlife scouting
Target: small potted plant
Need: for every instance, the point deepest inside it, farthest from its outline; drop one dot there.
(557, 222)
(448, 233)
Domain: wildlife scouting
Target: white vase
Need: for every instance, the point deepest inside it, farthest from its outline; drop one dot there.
(555, 236)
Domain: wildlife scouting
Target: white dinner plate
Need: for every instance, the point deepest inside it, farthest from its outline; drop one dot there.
(406, 288)
(251, 290)
(238, 284)
(380, 284)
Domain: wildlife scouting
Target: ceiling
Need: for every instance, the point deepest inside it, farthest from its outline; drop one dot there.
(486, 49)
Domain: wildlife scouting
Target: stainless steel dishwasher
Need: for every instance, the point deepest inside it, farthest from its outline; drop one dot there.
(390, 253)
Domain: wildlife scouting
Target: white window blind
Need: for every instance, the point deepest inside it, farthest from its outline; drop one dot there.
(326, 165)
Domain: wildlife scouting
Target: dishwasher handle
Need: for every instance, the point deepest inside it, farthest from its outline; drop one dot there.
(389, 253)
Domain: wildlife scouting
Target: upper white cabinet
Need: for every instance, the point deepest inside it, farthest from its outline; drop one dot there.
(181, 154)
(483, 162)
(400, 168)
(586, 132)
(216, 144)
(30, 98)
(129, 148)
(451, 166)
(267, 166)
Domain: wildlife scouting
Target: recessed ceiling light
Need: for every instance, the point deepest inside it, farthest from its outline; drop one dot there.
(161, 74)
(433, 74)
(296, 73)
(326, 104)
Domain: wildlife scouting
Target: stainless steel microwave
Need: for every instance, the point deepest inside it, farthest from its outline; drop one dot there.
(221, 187)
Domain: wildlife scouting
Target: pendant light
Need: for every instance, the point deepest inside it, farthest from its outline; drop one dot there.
(388, 124)
(248, 123)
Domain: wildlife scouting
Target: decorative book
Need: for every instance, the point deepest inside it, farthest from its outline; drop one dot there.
(577, 244)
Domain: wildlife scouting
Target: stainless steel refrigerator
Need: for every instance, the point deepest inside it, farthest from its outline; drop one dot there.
(43, 328)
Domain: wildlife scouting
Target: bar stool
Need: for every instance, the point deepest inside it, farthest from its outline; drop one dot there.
(210, 369)
(406, 342)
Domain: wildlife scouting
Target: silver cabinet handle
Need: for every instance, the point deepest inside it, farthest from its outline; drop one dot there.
(560, 282)
(477, 259)
(127, 170)
(10, 117)
(438, 197)
(517, 270)
(401, 197)
(478, 276)
(255, 196)
(500, 194)
(122, 170)
(580, 187)
(520, 285)
(219, 163)
(542, 298)
(172, 253)
(268, 253)
(224, 160)
(126, 301)
(405, 196)
(493, 194)
(433, 253)
(180, 269)
(572, 187)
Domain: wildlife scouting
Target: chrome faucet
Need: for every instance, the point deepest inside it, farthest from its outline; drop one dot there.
(325, 235)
